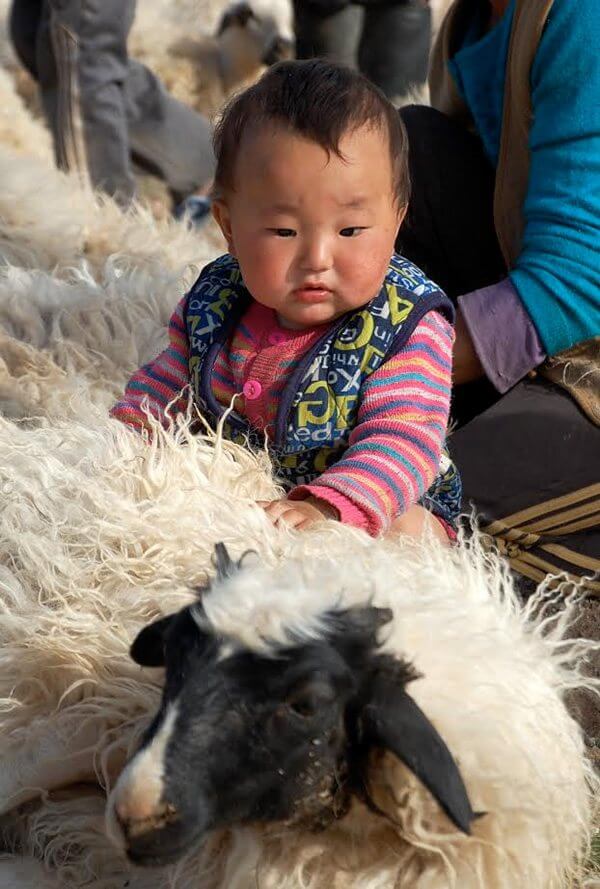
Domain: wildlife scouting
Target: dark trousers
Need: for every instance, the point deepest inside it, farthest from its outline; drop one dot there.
(388, 41)
(104, 110)
(529, 459)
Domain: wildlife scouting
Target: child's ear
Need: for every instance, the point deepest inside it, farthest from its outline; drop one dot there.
(220, 211)
(401, 215)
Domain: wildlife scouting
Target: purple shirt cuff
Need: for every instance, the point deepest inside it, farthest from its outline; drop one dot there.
(503, 334)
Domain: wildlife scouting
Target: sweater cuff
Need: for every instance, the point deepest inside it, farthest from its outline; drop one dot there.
(350, 513)
(503, 334)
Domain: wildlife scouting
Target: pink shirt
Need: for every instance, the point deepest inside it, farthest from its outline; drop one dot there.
(395, 447)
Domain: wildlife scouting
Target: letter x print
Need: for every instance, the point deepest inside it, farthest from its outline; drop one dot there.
(352, 379)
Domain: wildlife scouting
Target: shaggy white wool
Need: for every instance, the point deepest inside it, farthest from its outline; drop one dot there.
(47, 221)
(101, 532)
(19, 129)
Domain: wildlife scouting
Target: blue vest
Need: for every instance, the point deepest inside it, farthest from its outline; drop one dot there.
(318, 407)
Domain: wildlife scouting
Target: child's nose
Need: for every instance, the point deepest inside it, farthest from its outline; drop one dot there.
(316, 256)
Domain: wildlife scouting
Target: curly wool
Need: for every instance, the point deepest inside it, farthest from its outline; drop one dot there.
(101, 532)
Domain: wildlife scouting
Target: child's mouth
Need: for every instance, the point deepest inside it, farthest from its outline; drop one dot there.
(311, 294)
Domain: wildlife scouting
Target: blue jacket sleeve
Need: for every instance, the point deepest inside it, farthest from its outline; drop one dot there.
(557, 274)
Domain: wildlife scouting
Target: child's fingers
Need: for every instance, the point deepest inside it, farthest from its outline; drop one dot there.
(275, 508)
(304, 524)
(291, 513)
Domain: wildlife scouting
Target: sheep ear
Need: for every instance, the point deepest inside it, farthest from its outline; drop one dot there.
(365, 620)
(148, 649)
(239, 14)
(277, 48)
(223, 562)
(393, 721)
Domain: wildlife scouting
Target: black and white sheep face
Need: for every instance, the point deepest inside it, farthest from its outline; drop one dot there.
(244, 737)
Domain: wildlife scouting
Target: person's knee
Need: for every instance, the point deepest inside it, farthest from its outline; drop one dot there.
(424, 123)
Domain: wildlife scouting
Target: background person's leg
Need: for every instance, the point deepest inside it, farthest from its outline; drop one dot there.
(329, 30)
(530, 465)
(23, 23)
(449, 230)
(82, 66)
(394, 45)
(166, 136)
(102, 107)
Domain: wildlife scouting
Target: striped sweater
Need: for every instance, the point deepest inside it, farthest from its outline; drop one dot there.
(395, 447)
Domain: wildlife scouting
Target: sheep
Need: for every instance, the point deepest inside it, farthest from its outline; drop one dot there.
(299, 713)
(204, 73)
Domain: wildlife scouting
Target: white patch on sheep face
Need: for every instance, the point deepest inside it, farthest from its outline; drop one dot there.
(138, 792)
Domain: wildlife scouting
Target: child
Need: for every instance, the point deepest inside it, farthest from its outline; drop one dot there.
(339, 352)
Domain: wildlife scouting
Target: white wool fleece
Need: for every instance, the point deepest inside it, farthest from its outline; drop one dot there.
(101, 533)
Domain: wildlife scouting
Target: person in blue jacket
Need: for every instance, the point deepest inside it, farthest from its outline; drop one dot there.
(505, 216)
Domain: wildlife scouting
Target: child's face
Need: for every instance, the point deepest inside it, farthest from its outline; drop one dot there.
(313, 234)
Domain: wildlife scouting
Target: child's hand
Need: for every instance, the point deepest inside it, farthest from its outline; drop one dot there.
(300, 514)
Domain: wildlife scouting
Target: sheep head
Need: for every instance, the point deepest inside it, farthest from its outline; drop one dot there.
(282, 735)
(247, 41)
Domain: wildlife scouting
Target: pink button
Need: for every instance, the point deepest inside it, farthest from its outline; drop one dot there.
(276, 337)
(252, 389)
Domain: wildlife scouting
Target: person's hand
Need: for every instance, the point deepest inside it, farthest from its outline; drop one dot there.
(299, 514)
(466, 363)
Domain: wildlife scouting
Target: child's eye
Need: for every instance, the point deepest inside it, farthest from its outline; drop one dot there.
(283, 232)
(352, 231)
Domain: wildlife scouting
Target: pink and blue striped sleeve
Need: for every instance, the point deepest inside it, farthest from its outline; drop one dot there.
(160, 382)
(394, 450)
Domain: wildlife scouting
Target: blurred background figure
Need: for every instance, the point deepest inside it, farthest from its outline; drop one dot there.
(388, 40)
(106, 111)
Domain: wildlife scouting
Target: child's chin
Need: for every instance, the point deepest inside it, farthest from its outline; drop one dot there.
(308, 318)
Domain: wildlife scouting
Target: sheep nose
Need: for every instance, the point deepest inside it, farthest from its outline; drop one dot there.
(138, 823)
(158, 837)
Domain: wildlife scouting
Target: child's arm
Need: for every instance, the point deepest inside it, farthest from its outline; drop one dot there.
(395, 447)
(160, 381)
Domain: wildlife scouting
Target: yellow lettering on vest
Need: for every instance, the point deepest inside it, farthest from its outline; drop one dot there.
(363, 336)
(399, 307)
(323, 458)
(222, 302)
(194, 366)
(370, 352)
(344, 406)
(327, 404)
(192, 321)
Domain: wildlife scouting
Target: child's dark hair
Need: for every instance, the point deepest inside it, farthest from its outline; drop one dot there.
(318, 100)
